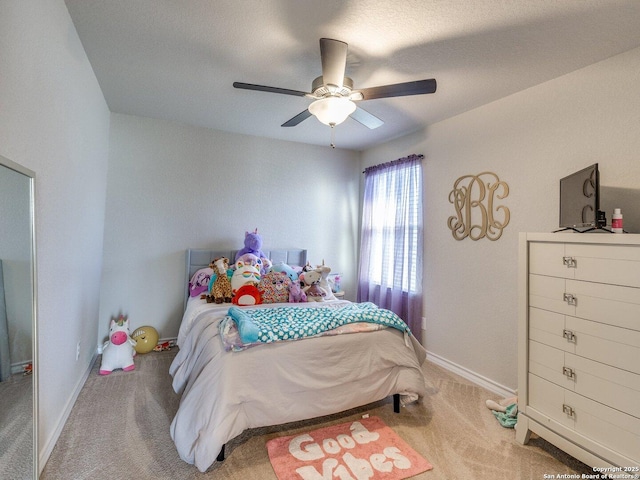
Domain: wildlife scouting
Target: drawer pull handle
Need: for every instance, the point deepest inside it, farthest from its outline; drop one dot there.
(570, 298)
(569, 373)
(569, 335)
(570, 262)
(568, 410)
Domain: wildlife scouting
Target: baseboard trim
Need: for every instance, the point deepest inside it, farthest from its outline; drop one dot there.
(470, 375)
(17, 368)
(45, 452)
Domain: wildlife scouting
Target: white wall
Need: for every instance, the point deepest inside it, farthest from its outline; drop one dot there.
(54, 121)
(531, 140)
(173, 187)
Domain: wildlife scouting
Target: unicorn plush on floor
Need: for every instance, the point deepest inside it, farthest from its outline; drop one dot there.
(118, 351)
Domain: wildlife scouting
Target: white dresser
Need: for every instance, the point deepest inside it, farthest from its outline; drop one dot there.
(579, 345)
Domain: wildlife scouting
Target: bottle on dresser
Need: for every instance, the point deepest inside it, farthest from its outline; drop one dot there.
(616, 221)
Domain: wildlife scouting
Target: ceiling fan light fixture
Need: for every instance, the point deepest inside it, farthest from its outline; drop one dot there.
(332, 110)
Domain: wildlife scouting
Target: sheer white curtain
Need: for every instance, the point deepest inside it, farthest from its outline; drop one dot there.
(390, 273)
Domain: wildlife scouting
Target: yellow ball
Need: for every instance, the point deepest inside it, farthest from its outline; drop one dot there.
(146, 338)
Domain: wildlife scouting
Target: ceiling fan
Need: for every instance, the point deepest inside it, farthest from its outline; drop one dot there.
(334, 94)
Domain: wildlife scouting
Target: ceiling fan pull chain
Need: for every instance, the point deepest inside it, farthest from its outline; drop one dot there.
(333, 135)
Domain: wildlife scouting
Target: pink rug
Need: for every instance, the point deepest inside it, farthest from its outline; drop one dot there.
(365, 448)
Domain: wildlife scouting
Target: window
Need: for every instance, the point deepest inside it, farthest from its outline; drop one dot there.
(396, 223)
(392, 232)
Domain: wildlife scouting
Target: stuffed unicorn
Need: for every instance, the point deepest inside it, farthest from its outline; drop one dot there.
(252, 244)
(118, 351)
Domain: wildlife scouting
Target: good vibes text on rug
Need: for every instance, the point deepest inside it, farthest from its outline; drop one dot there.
(366, 449)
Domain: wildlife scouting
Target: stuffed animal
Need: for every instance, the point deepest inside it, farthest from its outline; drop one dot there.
(199, 283)
(244, 283)
(220, 285)
(274, 287)
(161, 347)
(252, 244)
(283, 267)
(244, 273)
(324, 281)
(247, 294)
(311, 281)
(118, 351)
(266, 265)
(250, 259)
(296, 295)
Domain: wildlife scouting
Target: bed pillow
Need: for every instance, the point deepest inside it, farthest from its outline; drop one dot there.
(199, 282)
(274, 287)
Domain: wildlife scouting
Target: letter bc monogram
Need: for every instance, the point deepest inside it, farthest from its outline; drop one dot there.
(473, 197)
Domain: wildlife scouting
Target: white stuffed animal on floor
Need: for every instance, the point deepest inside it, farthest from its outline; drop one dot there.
(118, 351)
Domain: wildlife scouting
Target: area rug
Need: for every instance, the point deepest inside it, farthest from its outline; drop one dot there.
(365, 448)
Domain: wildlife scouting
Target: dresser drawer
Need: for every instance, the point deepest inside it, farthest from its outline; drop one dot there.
(601, 424)
(547, 362)
(614, 346)
(550, 328)
(547, 293)
(617, 265)
(612, 386)
(548, 398)
(607, 426)
(548, 259)
(614, 264)
(609, 304)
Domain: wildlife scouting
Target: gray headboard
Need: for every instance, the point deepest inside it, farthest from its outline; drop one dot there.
(201, 258)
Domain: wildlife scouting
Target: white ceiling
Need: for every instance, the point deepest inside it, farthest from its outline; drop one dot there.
(177, 59)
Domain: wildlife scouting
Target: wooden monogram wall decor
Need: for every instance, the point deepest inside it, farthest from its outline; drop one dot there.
(474, 198)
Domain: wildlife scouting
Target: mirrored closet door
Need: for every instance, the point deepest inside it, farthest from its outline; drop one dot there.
(18, 352)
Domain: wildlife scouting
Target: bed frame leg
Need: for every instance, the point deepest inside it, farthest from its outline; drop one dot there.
(221, 455)
(396, 403)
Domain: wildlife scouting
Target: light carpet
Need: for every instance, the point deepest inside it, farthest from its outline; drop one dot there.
(119, 429)
(16, 428)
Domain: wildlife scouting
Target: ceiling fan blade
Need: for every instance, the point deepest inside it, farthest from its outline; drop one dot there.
(417, 87)
(297, 119)
(367, 119)
(263, 88)
(334, 61)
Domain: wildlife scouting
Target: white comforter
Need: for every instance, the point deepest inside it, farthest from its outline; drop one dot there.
(224, 393)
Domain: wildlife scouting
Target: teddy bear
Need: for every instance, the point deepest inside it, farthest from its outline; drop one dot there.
(220, 285)
(311, 280)
(274, 287)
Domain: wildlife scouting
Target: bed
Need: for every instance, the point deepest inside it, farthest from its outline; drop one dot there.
(226, 390)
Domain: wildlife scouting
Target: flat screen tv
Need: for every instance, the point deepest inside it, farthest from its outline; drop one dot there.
(580, 199)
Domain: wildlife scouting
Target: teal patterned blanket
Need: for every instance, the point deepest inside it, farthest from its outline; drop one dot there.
(292, 323)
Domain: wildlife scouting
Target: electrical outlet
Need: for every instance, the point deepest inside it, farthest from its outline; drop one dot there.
(77, 351)
(424, 323)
